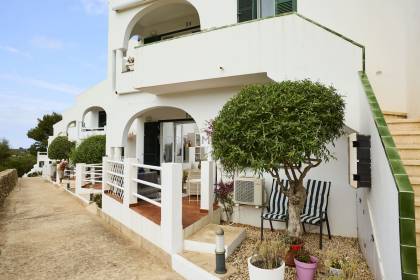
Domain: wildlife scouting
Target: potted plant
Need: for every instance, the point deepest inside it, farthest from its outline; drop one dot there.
(267, 262)
(306, 265)
(224, 195)
(335, 263)
(295, 245)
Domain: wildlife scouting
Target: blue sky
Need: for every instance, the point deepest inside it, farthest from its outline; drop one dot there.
(50, 51)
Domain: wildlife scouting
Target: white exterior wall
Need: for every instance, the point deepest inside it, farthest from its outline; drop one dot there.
(391, 34)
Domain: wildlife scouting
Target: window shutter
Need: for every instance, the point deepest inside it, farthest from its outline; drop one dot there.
(284, 6)
(247, 10)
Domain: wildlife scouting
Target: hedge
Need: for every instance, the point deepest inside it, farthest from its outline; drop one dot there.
(90, 151)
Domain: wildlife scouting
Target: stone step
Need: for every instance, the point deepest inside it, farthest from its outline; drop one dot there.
(412, 167)
(203, 241)
(403, 124)
(193, 265)
(406, 137)
(390, 115)
(409, 151)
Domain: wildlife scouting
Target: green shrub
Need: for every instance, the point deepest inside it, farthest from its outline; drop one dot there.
(97, 198)
(23, 163)
(60, 148)
(90, 151)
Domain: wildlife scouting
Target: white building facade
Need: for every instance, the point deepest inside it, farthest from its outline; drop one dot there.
(173, 64)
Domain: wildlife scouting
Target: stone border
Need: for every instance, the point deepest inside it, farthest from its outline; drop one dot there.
(8, 181)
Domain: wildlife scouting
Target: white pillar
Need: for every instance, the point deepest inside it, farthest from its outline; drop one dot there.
(118, 153)
(119, 61)
(130, 186)
(207, 186)
(104, 173)
(79, 177)
(171, 211)
(57, 174)
(140, 139)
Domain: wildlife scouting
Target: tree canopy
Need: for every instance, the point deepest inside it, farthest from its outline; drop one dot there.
(60, 148)
(5, 151)
(42, 131)
(287, 123)
(90, 151)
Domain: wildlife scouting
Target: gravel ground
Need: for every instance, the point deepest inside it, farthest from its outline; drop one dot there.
(345, 247)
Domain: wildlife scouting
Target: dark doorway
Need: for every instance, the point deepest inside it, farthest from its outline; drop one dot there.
(101, 119)
(151, 143)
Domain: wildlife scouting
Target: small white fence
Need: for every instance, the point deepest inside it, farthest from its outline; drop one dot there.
(88, 178)
(122, 188)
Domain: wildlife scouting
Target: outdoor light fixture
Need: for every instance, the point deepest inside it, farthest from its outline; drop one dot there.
(220, 252)
(359, 161)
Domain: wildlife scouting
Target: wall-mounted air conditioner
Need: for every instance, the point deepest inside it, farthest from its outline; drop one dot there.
(249, 191)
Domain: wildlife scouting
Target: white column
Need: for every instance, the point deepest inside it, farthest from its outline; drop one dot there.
(171, 211)
(104, 173)
(130, 186)
(140, 139)
(79, 177)
(118, 153)
(119, 61)
(57, 175)
(207, 186)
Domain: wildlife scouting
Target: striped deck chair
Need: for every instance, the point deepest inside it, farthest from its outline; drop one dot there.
(316, 206)
(277, 207)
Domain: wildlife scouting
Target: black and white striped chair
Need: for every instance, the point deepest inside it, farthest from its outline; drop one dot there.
(316, 206)
(277, 207)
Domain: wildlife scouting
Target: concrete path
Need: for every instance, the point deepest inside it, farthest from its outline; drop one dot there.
(46, 234)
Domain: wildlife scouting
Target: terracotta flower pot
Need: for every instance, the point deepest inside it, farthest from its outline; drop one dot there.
(289, 259)
(306, 271)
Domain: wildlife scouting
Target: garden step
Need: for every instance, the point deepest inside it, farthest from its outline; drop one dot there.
(203, 241)
(390, 115)
(193, 265)
(409, 151)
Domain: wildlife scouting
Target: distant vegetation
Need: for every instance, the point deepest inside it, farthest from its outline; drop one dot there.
(42, 131)
(20, 159)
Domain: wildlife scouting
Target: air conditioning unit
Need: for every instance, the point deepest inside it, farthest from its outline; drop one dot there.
(249, 191)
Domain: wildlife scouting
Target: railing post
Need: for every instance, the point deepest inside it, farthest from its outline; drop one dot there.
(129, 185)
(171, 210)
(207, 186)
(57, 174)
(79, 177)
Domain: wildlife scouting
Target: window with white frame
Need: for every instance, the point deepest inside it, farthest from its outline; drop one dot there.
(253, 9)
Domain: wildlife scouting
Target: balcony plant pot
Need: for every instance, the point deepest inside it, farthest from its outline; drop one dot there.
(256, 273)
(306, 271)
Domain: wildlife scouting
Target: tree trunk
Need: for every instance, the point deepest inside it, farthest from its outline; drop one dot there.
(296, 204)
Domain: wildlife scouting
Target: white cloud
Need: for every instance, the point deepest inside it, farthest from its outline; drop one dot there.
(60, 87)
(44, 42)
(95, 7)
(14, 50)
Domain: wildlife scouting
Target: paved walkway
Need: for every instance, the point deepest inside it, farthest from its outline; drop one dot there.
(46, 234)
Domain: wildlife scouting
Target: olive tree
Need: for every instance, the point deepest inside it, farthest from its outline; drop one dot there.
(60, 148)
(288, 125)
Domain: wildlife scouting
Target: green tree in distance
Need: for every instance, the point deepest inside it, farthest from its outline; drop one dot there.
(42, 131)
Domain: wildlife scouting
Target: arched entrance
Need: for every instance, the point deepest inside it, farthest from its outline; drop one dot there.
(159, 21)
(161, 135)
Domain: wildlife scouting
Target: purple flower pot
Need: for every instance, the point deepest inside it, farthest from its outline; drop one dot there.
(306, 271)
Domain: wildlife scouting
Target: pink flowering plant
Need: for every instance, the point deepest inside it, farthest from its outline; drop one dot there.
(209, 129)
(224, 195)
